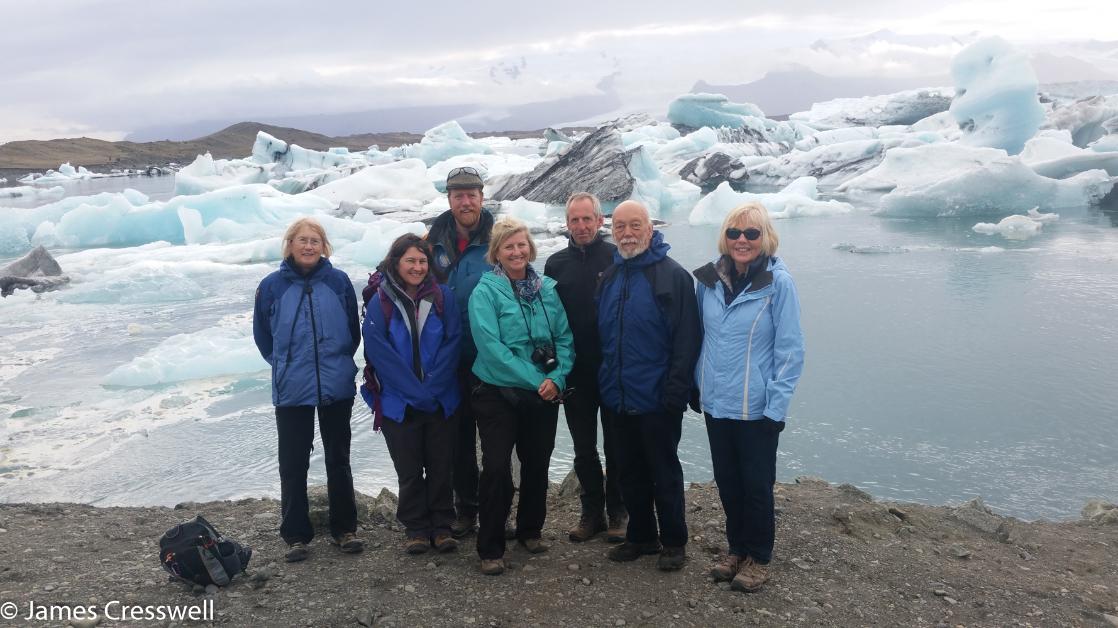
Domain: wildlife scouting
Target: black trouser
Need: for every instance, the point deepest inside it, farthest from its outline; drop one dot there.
(421, 447)
(581, 409)
(651, 476)
(295, 425)
(530, 427)
(464, 475)
(744, 457)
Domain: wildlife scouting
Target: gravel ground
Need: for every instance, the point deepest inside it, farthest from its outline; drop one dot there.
(842, 559)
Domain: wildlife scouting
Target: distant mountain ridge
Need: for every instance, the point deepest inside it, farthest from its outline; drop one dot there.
(784, 92)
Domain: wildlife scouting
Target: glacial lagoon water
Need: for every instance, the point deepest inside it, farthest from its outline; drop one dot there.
(941, 365)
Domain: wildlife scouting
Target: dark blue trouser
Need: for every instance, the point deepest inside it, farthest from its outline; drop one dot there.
(295, 425)
(600, 492)
(464, 471)
(647, 447)
(744, 457)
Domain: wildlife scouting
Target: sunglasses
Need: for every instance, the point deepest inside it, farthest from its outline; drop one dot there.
(463, 169)
(751, 233)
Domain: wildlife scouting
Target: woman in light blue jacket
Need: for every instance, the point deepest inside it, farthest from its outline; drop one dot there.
(752, 357)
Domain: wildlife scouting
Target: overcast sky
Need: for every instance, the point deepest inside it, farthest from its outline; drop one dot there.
(105, 68)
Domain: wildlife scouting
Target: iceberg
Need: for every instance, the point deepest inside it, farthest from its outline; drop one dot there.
(37, 270)
(949, 179)
(904, 108)
(1059, 158)
(494, 165)
(695, 111)
(1017, 227)
(269, 150)
(831, 164)
(441, 143)
(405, 179)
(1087, 119)
(222, 350)
(27, 191)
(206, 174)
(64, 174)
(996, 103)
(372, 246)
(532, 213)
(799, 198)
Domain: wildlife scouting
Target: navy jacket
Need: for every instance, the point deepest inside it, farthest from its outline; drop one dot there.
(461, 271)
(648, 324)
(307, 328)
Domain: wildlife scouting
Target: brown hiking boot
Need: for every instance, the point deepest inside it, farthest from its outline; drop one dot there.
(671, 558)
(445, 543)
(463, 525)
(534, 546)
(492, 567)
(587, 528)
(615, 533)
(751, 576)
(725, 570)
(348, 543)
(416, 545)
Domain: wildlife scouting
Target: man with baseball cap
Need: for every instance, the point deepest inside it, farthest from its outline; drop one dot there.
(460, 238)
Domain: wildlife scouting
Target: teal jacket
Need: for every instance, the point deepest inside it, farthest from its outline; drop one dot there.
(499, 322)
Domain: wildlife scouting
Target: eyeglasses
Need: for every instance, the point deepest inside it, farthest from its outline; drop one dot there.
(751, 233)
(306, 241)
(463, 170)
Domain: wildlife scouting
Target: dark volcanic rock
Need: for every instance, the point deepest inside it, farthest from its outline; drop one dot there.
(597, 163)
(708, 171)
(37, 270)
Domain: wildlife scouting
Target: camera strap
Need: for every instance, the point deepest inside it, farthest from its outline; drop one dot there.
(528, 328)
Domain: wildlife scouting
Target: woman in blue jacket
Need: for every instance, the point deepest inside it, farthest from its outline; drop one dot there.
(412, 331)
(752, 357)
(306, 326)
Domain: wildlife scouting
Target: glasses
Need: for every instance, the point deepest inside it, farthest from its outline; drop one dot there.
(308, 241)
(463, 170)
(750, 234)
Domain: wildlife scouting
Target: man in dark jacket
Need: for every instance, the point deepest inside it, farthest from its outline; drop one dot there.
(576, 270)
(648, 324)
(460, 238)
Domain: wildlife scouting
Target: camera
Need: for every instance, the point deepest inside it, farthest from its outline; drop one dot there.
(544, 357)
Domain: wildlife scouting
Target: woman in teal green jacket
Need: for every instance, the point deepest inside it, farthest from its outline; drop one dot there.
(525, 351)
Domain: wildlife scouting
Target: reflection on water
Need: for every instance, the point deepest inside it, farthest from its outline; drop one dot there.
(966, 365)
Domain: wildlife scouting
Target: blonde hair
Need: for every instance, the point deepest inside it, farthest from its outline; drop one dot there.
(504, 229)
(311, 224)
(750, 213)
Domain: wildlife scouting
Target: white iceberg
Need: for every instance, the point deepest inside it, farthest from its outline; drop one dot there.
(206, 174)
(1017, 227)
(716, 111)
(949, 179)
(799, 198)
(1057, 157)
(996, 103)
(441, 143)
(907, 107)
(405, 179)
(1088, 119)
(495, 165)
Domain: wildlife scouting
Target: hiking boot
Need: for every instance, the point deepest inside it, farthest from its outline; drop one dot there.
(533, 546)
(587, 528)
(750, 577)
(445, 543)
(671, 559)
(492, 567)
(631, 551)
(296, 552)
(416, 545)
(615, 533)
(463, 525)
(725, 569)
(348, 543)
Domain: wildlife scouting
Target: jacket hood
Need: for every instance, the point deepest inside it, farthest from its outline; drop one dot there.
(657, 250)
(291, 272)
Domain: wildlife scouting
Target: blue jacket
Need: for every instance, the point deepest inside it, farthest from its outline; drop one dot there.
(306, 327)
(753, 348)
(461, 270)
(389, 348)
(648, 324)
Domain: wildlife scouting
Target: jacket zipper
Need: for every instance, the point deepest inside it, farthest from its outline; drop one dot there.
(314, 333)
(621, 334)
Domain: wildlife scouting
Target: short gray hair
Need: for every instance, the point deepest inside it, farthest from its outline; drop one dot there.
(578, 196)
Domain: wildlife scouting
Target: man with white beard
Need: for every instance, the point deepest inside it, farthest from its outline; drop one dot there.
(648, 324)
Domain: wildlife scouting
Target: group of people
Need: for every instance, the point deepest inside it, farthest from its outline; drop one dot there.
(465, 340)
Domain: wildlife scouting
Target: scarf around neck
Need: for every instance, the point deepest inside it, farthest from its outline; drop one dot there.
(528, 288)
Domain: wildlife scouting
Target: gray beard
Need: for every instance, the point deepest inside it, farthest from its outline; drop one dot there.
(635, 252)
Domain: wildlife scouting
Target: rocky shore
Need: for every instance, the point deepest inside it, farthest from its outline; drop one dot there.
(842, 559)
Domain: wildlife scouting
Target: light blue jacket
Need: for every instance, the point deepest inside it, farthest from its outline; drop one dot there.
(753, 348)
